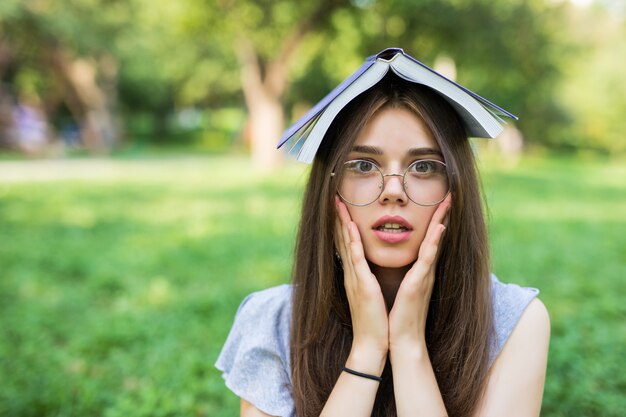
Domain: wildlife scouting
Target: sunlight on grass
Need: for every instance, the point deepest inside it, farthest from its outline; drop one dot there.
(129, 273)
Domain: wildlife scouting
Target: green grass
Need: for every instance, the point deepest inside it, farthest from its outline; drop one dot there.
(118, 290)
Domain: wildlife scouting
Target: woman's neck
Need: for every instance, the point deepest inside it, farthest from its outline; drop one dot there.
(389, 280)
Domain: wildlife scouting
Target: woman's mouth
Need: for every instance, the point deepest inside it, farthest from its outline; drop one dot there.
(392, 229)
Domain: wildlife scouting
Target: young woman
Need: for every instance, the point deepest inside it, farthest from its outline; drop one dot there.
(392, 310)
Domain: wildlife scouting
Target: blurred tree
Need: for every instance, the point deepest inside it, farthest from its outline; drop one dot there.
(593, 90)
(62, 51)
(264, 37)
(505, 51)
(98, 58)
(508, 51)
(163, 69)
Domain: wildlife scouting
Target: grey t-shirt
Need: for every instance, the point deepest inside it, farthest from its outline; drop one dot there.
(255, 358)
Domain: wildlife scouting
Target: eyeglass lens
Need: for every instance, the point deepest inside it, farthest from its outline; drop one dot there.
(425, 182)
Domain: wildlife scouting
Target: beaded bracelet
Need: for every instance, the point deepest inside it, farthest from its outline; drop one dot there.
(362, 375)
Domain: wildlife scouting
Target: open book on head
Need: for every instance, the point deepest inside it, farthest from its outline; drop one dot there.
(480, 117)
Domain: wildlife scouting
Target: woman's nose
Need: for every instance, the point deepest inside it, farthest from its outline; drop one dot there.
(393, 189)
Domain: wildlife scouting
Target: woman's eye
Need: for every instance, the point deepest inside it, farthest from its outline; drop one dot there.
(423, 167)
(361, 166)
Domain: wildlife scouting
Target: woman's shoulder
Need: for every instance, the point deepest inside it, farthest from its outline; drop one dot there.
(277, 297)
(255, 357)
(508, 298)
(271, 306)
(265, 316)
(510, 301)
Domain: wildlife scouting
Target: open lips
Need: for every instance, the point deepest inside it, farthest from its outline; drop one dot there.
(392, 229)
(392, 224)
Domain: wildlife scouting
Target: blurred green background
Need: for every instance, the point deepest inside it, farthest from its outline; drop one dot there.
(139, 202)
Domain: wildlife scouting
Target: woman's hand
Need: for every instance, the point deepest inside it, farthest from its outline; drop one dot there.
(407, 319)
(367, 305)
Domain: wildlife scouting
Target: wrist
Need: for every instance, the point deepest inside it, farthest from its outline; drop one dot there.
(411, 350)
(367, 360)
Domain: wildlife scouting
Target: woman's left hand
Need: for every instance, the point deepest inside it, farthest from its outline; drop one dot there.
(407, 319)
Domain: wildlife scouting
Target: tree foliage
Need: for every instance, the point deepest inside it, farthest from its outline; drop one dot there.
(594, 95)
(551, 63)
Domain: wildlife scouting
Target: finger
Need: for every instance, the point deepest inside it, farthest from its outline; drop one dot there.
(356, 254)
(440, 214)
(342, 244)
(422, 271)
(430, 246)
(429, 249)
(339, 237)
(438, 219)
(342, 211)
(359, 262)
(356, 246)
(446, 220)
(343, 236)
(343, 222)
(339, 240)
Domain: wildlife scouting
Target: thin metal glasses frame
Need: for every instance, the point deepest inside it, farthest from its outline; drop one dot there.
(382, 189)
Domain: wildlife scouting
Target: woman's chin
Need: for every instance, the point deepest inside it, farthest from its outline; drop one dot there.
(392, 262)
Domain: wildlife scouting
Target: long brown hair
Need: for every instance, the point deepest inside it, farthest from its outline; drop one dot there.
(459, 327)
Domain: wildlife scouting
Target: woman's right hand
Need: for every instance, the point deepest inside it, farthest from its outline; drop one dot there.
(370, 326)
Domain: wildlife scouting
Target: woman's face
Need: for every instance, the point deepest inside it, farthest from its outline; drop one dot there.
(392, 227)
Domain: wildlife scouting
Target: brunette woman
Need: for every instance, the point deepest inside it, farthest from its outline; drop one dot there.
(392, 310)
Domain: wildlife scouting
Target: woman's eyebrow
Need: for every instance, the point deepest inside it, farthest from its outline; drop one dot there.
(424, 151)
(367, 149)
(373, 150)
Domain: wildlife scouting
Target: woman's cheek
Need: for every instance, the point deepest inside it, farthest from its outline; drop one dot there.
(397, 255)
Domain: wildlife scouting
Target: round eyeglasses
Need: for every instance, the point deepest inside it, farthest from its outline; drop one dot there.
(425, 182)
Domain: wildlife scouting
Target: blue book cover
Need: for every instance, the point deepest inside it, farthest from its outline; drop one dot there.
(298, 133)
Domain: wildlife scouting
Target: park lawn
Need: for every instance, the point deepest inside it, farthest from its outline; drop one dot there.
(117, 291)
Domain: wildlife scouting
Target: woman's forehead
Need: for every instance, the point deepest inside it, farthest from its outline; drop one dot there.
(396, 130)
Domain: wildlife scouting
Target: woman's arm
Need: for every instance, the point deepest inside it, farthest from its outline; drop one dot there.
(516, 379)
(415, 386)
(354, 395)
(515, 384)
(414, 383)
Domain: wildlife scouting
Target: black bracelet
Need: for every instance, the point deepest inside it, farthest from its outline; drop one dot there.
(362, 375)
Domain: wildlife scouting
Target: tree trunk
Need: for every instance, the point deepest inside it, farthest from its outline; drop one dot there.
(265, 123)
(264, 83)
(88, 101)
(265, 111)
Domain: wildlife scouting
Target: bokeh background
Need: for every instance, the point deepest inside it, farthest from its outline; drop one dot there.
(141, 197)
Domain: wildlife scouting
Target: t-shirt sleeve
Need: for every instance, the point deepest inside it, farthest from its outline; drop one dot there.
(509, 303)
(255, 358)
